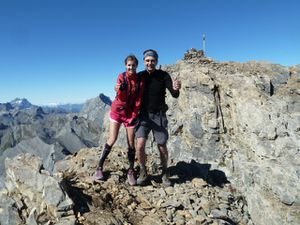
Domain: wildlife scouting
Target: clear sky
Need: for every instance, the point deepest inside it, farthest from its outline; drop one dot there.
(68, 51)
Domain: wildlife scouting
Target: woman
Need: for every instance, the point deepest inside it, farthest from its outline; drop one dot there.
(124, 109)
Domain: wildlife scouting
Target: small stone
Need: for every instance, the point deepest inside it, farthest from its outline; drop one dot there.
(198, 182)
(141, 212)
(133, 205)
(152, 219)
(217, 213)
(193, 213)
(179, 220)
(169, 214)
(149, 188)
(223, 206)
(153, 211)
(162, 192)
(159, 202)
(199, 218)
(224, 195)
(169, 190)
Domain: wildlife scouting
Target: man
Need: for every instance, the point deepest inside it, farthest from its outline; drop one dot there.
(153, 114)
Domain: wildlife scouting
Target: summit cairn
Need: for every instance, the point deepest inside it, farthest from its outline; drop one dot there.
(194, 55)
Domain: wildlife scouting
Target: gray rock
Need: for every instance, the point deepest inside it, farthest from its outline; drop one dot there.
(26, 182)
(34, 146)
(31, 220)
(8, 211)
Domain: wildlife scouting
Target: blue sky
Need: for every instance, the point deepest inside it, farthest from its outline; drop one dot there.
(61, 51)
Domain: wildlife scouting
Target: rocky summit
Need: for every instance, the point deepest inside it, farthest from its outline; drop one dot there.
(234, 157)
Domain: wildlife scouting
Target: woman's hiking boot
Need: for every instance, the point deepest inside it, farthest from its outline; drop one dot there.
(99, 174)
(143, 176)
(131, 178)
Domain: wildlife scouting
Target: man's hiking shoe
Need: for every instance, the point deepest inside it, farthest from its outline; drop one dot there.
(99, 174)
(143, 177)
(131, 178)
(165, 177)
(165, 180)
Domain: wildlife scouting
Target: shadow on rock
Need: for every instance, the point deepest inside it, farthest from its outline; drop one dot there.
(187, 171)
(80, 199)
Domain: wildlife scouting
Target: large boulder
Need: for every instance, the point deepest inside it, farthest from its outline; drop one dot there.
(35, 146)
(32, 195)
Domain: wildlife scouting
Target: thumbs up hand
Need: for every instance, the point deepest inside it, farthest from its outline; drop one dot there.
(176, 84)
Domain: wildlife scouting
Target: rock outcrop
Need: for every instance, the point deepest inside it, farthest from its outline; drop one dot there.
(32, 196)
(244, 119)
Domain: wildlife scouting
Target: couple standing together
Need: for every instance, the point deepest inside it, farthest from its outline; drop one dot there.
(140, 105)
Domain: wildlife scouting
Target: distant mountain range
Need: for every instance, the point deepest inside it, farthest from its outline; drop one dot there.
(64, 129)
(64, 107)
(23, 103)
